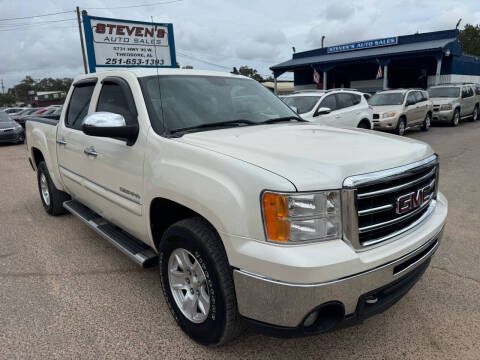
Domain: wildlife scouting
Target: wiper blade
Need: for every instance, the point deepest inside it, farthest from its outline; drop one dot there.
(282, 119)
(216, 124)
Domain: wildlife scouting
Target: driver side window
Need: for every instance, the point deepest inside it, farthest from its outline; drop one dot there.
(329, 102)
(411, 98)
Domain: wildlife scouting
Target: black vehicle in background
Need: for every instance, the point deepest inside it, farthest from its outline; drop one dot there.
(10, 131)
(22, 115)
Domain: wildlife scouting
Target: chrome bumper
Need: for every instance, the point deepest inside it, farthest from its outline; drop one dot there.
(287, 304)
(443, 115)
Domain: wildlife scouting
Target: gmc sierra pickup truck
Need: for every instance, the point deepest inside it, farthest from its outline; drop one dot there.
(252, 214)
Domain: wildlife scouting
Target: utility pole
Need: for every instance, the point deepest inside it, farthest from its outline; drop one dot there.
(81, 40)
(3, 88)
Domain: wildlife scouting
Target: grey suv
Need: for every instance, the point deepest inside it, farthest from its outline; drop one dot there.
(452, 102)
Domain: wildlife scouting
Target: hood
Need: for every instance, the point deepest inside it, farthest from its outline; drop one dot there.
(7, 124)
(442, 100)
(384, 108)
(312, 157)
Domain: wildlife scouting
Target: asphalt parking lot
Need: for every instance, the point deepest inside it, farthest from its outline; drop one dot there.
(66, 293)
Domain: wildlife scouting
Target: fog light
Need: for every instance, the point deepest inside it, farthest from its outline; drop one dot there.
(310, 320)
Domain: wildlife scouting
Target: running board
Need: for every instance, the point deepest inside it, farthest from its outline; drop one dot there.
(139, 252)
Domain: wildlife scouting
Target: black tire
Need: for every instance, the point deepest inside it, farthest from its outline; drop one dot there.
(427, 122)
(398, 129)
(198, 237)
(455, 118)
(475, 113)
(364, 124)
(56, 197)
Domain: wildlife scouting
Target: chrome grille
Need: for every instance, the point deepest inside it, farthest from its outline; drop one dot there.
(376, 214)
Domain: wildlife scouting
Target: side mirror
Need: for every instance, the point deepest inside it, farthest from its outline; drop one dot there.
(323, 111)
(107, 124)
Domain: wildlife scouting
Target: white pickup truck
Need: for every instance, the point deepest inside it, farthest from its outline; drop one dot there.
(253, 215)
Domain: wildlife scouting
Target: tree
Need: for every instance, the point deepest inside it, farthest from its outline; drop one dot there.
(7, 99)
(29, 84)
(247, 71)
(470, 39)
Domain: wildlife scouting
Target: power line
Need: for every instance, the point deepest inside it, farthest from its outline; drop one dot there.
(203, 61)
(36, 16)
(135, 6)
(33, 25)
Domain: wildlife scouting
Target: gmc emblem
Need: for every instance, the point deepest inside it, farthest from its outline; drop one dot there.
(413, 200)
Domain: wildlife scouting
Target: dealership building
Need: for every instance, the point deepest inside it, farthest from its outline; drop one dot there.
(418, 60)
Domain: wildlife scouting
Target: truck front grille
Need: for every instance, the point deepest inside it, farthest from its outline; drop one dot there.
(389, 202)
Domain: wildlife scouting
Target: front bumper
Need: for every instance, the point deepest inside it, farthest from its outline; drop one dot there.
(387, 124)
(12, 136)
(443, 115)
(284, 306)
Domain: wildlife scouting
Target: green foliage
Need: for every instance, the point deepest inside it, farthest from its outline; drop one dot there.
(7, 99)
(47, 84)
(470, 39)
(247, 71)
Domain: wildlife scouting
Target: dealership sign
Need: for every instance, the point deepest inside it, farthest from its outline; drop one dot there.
(359, 45)
(124, 43)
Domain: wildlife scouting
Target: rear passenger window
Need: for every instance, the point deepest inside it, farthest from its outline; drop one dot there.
(112, 99)
(356, 98)
(477, 89)
(344, 100)
(78, 106)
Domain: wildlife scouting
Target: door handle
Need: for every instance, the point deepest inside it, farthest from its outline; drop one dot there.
(61, 141)
(90, 151)
(337, 116)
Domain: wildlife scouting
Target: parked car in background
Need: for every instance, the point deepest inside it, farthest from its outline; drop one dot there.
(453, 102)
(10, 131)
(23, 115)
(13, 110)
(335, 107)
(401, 109)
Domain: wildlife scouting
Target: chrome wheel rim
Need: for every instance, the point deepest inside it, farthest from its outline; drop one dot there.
(457, 118)
(427, 121)
(475, 114)
(188, 285)
(401, 128)
(44, 189)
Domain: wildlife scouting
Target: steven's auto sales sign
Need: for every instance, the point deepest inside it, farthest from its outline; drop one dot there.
(124, 43)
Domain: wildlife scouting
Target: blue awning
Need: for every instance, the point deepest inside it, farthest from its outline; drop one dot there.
(382, 54)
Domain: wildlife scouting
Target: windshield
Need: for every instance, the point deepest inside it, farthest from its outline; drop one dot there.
(303, 104)
(386, 99)
(4, 117)
(444, 92)
(190, 101)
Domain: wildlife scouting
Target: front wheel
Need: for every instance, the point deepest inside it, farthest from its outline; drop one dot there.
(400, 130)
(427, 122)
(197, 282)
(364, 125)
(456, 118)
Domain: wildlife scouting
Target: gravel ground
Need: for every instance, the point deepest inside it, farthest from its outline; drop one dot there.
(66, 293)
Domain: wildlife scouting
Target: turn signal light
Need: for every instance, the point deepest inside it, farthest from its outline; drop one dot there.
(276, 212)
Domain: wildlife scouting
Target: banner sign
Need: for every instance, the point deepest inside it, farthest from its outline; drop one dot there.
(359, 45)
(123, 43)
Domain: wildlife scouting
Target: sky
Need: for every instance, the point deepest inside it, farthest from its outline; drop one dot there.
(216, 34)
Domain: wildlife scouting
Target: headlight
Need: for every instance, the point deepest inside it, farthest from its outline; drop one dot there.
(446, 107)
(18, 127)
(388, 114)
(296, 218)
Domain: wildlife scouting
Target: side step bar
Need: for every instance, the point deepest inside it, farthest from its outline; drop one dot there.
(139, 252)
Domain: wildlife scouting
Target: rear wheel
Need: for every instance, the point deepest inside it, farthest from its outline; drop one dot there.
(456, 118)
(400, 130)
(52, 198)
(475, 113)
(197, 282)
(427, 122)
